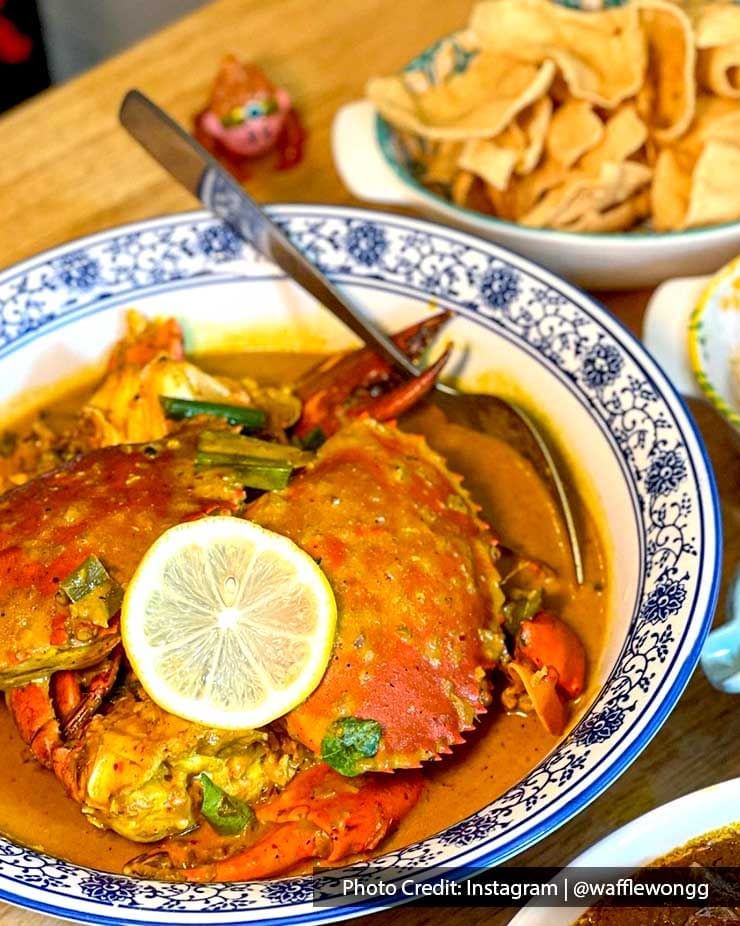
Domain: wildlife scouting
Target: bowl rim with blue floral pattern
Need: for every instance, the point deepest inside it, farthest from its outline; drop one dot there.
(500, 291)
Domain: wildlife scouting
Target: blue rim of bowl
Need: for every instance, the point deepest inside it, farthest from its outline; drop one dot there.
(668, 699)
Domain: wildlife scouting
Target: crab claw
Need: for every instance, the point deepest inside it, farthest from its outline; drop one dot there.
(545, 640)
(320, 815)
(326, 389)
(541, 688)
(396, 402)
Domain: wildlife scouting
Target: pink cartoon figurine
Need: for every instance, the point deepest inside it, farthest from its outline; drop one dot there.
(246, 117)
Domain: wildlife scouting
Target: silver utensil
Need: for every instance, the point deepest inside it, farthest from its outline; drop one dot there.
(190, 164)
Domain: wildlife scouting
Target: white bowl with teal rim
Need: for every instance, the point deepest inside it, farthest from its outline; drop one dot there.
(692, 325)
(376, 168)
(517, 329)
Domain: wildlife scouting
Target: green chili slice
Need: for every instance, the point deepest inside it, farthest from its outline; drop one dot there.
(226, 443)
(228, 815)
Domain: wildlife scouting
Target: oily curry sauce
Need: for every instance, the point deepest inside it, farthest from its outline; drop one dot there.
(35, 811)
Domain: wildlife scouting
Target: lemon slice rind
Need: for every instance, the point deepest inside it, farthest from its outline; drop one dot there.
(228, 624)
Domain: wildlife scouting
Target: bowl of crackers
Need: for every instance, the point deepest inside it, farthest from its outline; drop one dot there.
(603, 143)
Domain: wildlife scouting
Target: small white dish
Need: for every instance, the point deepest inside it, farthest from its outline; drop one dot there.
(692, 326)
(646, 839)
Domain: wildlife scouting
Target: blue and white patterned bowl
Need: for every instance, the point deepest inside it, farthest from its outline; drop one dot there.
(519, 329)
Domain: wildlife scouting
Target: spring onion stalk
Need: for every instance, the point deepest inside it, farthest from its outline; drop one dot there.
(257, 464)
(226, 443)
(250, 471)
(245, 416)
(314, 439)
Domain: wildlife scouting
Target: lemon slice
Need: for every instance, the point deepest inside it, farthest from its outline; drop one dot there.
(228, 624)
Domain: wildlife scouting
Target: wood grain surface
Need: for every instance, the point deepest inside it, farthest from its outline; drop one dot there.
(67, 169)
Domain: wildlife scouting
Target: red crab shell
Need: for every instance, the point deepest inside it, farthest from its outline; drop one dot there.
(411, 565)
(111, 503)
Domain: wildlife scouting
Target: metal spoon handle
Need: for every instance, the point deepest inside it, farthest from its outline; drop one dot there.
(189, 163)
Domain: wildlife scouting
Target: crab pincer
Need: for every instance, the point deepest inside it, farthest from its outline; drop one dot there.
(347, 386)
(550, 663)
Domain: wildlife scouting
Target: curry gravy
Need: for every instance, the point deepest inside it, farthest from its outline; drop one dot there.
(35, 811)
(718, 849)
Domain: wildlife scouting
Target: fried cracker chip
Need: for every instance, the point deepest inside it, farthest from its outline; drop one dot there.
(491, 162)
(601, 56)
(624, 134)
(670, 74)
(461, 187)
(574, 130)
(518, 147)
(719, 69)
(670, 191)
(524, 192)
(617, 218)
(717, 119)
(477, 103)
(584, 192)
(535, 122)
(715, 23)
(441, 164)
(717, 30)
(615, 184)
(715, 186)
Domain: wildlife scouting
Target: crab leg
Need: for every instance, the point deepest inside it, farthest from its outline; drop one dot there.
(33, 711)
(320, 815)
(545, 640)
(66, 692)
(550, 665)
(88, 704)
(325, 390)
(49, 713)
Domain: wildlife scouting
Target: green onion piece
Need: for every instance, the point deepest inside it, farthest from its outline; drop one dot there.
(235, 414)
(86, 578)
(522, 605)
(228, 815)
(94, 594)
(348, 741)
(250, 471)
(239, 445)
(268, 479)
(314, 439)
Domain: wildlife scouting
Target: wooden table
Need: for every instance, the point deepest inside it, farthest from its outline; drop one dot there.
(67, 169)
